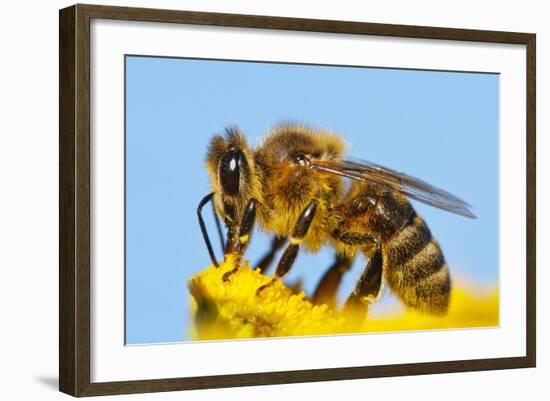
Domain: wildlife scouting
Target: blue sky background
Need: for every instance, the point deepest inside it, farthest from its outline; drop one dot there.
(442, 127)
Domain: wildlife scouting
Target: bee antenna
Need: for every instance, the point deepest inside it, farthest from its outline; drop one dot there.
(203, 202)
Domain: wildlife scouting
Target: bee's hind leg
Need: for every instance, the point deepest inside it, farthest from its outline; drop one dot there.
(327, 287)
(289, 256)
(245, 230)
(367, 288)
(276, 244)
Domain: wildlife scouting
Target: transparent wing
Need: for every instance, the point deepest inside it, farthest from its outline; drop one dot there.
(392, 180)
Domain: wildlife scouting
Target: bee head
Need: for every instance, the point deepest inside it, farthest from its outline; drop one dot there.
(230, 164)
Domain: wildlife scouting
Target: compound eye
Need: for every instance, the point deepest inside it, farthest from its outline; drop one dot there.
(230, 171)
(301, 159)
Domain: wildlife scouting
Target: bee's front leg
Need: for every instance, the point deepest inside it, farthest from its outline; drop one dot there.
(289, 256)
(243, 238)
(245, 229)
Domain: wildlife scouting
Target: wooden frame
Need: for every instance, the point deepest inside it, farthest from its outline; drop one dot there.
(74, 201)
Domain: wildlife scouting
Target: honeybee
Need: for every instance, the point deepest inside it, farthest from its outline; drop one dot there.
(294, 185)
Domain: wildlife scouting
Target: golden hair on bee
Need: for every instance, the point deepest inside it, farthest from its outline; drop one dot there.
(320, 144)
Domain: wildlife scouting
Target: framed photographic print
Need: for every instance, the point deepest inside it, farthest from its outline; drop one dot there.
(252, 200)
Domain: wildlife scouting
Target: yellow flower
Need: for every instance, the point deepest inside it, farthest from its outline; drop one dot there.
(232, 308)
(466, 309)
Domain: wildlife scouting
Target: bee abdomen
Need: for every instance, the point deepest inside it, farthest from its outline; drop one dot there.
(408, 242)
(415, 267)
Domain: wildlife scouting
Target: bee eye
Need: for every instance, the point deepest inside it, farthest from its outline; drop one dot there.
(230, 171)
(301, 159)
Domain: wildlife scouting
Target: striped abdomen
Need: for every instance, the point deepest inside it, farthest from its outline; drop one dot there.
(415, 268)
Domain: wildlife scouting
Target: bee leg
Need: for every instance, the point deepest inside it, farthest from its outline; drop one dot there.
(229, 244)
(326, 289)
(245, 230)
(367, 288)
(276, 244)
(289, 256)
(230, 222)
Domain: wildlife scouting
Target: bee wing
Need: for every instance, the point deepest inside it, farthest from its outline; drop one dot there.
(395, 181)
